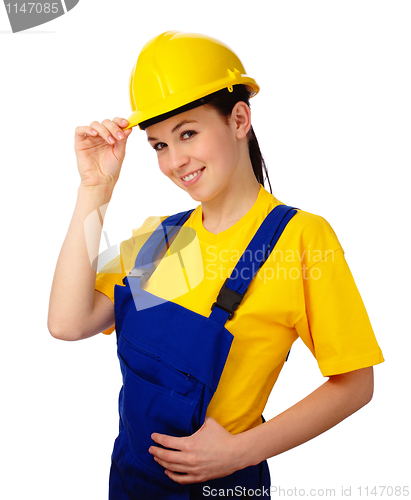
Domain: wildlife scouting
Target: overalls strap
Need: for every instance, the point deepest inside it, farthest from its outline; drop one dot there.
(235, 286)
(144, 264)
(257, 252)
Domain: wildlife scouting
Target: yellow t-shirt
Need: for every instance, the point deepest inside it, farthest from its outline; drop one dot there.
(305, 289)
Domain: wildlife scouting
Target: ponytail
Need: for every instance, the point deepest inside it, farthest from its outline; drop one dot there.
(257, 159)
(223, 102)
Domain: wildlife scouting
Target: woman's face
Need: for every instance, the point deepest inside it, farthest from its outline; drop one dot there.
(198, 151)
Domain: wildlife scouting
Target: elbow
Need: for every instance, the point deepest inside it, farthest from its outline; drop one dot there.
(365, 387)
(358, 387)
(369, 390)
(62, 332)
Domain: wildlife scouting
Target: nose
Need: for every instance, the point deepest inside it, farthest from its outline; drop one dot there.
(177, 157)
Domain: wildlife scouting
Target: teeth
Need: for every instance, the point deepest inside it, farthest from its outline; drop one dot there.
(191, 176)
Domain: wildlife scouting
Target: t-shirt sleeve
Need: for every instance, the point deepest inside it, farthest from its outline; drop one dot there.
(113, 273)
(336, 326)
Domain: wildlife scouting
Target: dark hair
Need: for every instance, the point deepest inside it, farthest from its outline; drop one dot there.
(223, 101)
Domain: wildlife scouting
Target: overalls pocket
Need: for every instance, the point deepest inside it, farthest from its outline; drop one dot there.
(155, 398)
(171, 360)
(153, 369)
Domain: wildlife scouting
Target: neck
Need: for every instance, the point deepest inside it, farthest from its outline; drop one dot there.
(225, 210)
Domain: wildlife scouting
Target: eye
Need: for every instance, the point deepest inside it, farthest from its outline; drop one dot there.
(188, 134)
(159, 146)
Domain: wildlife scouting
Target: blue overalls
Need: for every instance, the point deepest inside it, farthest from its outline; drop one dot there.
(171, 360)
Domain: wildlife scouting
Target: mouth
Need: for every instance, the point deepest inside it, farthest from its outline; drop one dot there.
(193, 177)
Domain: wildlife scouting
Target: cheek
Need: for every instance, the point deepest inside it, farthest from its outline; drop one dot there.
(225, 152)
(214, 151)
(163, 164)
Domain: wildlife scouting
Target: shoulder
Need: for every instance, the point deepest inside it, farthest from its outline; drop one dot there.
(315, 228)
(311, 236)
(305, 227)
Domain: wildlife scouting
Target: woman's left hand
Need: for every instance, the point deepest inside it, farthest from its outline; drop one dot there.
(209, 453)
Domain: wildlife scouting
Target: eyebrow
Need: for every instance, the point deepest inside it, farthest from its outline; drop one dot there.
(179, 125)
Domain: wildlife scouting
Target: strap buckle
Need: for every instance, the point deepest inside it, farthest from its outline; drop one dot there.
(228, 299)
(142, 273)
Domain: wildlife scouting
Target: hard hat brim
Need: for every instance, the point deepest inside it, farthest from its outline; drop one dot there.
(174, 105)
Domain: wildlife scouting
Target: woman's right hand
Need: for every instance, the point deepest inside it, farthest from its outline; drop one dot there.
(100, 151)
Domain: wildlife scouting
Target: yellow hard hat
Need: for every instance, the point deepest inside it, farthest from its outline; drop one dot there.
(175, 69)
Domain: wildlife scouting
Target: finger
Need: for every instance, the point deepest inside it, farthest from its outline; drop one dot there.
(83, 132)
(171, 465)
(171, 456)
(181, 478)
(114, 129)
(122, 123)
(176, 443)
(102, 131)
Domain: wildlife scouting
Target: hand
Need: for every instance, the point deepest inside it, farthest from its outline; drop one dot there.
(100, 151)
(209, 453)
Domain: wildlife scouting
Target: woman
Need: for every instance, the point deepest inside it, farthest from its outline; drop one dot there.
(205, 308)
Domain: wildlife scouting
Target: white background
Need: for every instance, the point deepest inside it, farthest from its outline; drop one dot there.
(333, 122)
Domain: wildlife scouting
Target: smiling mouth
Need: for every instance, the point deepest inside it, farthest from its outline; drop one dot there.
(191, 176)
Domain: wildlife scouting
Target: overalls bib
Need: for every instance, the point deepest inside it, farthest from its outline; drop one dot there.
(171, 361)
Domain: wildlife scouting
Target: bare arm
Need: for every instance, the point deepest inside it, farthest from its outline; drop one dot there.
(332, 402)
(76, 310)
(213, 452)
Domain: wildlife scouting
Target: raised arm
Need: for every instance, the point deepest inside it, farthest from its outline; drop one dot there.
(76, 310)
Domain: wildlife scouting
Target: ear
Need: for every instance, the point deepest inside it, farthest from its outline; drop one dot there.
(241, 119)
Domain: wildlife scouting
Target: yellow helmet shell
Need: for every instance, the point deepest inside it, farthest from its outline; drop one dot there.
(175, 69)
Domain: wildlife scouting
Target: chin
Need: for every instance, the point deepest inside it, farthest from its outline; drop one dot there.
(200, 195)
